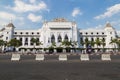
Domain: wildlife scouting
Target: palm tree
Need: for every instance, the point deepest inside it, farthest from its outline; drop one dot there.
(92, 43)
(66, 43)
(53, 44)
(2, 43)
(97, 42)
(114, 42)
(118, 43)
(74, 43)
(81, 42)
(103, 43)
(35, 41)
(40, 43)
(86, 42)
(52, 47)
(15, 43)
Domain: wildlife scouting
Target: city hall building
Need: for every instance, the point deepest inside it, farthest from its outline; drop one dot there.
(58, 30)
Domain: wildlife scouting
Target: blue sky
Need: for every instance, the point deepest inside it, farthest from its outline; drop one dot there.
(29, 14)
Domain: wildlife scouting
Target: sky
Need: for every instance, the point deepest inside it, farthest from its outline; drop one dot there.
(88, 14)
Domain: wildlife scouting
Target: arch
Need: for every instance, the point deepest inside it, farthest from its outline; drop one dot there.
(103, 39)
(59, 38)
(92, 39)
(66, 38)
(52, 39)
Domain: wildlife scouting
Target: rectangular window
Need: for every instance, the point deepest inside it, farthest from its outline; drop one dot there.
(15, 32)
(37, 32)
(6, 38)
(20, 39)
(31, 43)
(26, 43)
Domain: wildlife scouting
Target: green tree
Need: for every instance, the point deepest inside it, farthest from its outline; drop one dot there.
(35, 41)
(92, 43)
(114, 42)
(118, 43)
(66, 43)
(98, 42)
(81, 42)
(53, 44)
(86, 42)
(15, 43)
(103, 43)
(2, 43)
(74, 43)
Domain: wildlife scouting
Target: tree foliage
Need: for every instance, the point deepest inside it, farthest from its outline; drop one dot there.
(98, 42)
(2, 42)
(66, 43)
(15, 43)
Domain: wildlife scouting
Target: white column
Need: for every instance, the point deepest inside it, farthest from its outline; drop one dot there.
(39, 39)
(29, 38)
(62, 35)
(56, 38)
(23, 41)
(17, 38)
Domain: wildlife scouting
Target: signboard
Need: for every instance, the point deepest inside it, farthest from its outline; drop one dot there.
(40, 57)
(106, 57)
(62, 57)
(15, 57)
(84, 57)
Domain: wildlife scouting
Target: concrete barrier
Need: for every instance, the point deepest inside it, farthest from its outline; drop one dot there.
(39, 57)
(15, 57)
(84, 57)
(105, 57)
(62, 57)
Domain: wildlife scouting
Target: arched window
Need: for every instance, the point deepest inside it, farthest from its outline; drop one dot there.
(81, 39)
(66, 38)
(92, 39)
(59, 38)
(52, 39)
(26, 41)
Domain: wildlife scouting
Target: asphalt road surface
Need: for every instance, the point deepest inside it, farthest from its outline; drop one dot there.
(52, 69)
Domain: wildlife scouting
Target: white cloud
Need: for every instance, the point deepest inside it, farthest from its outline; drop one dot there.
(32, 1)
(116, 23)
(110, 11)
(7, 16)
(76, 12)
(34, 18)
(97, 27)
(21, 6)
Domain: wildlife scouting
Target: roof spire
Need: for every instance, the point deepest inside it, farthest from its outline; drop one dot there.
(108, 24)
(11, 20)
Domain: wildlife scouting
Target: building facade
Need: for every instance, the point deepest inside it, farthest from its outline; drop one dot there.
(57, 31)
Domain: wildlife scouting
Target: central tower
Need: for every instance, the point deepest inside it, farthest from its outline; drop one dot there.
(58, 30)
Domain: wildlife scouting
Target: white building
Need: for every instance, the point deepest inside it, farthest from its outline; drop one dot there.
(57, 31)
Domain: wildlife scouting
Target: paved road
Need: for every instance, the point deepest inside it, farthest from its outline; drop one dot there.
(52, 69)
(55, 57)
